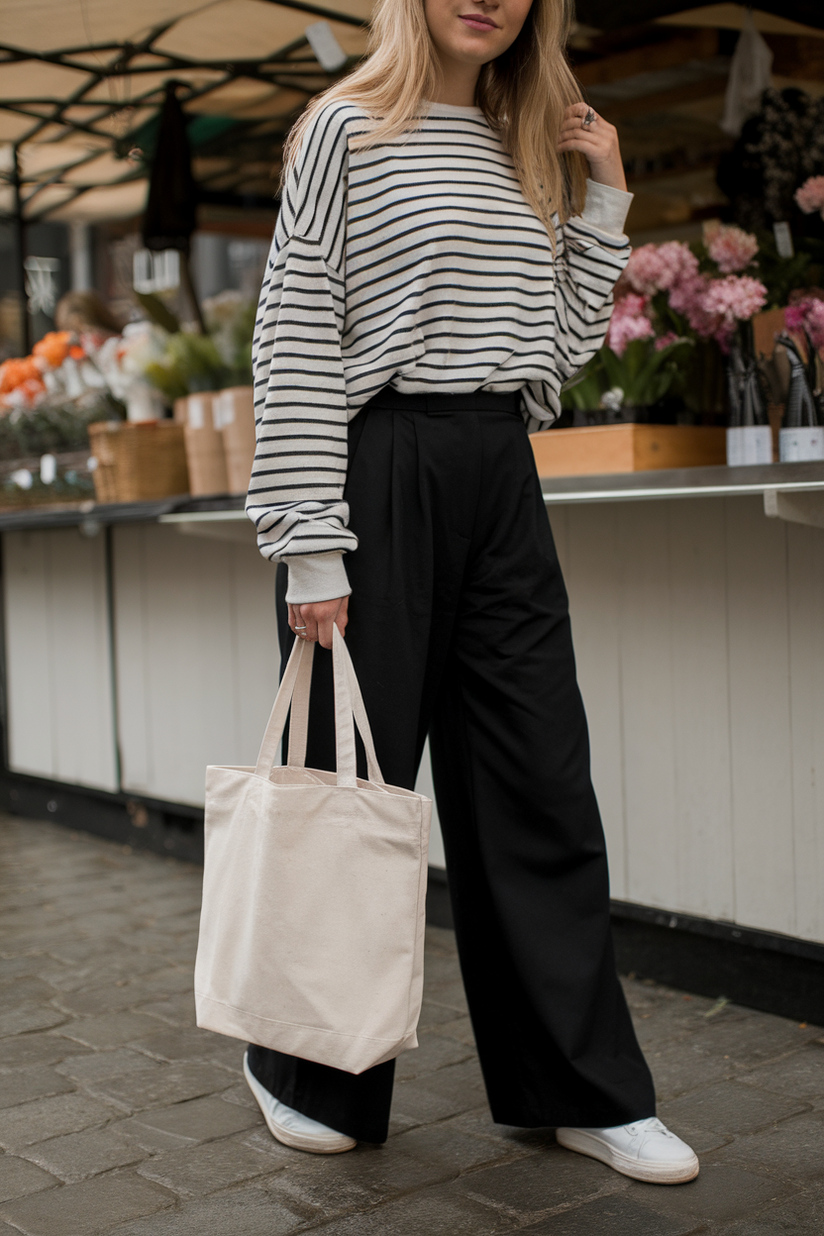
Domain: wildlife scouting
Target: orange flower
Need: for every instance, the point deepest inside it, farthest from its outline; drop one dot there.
(15, 372)
(53, 348)
(32, 387)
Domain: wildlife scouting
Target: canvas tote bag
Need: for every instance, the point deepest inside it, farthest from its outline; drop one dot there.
(312, 923)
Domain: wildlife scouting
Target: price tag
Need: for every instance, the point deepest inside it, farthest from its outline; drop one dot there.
(783, 240)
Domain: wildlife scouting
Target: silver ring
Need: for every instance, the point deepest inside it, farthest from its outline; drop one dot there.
(589, 119)
(303, 628)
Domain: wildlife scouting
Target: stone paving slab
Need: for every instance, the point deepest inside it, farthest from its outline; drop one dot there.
(119, 1117)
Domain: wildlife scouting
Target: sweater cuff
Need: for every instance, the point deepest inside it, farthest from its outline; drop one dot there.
(606, 208)
(316, 577)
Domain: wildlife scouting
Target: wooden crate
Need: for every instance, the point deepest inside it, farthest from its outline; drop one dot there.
(138, 460)
(600, 449)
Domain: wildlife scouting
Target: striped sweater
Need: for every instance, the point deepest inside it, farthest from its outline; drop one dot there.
(416, 263)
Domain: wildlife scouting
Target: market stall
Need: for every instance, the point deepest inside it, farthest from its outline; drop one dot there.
(684, 482)
(133, 640)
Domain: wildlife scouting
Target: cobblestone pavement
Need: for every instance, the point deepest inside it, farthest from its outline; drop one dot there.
(120, 1117)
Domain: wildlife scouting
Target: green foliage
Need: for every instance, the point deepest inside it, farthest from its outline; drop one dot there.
(192, 363)
(780, 276)
(51, 429)
(242, 330)
(583, 392)
(158, 312)
(645, 375)
(67, 487)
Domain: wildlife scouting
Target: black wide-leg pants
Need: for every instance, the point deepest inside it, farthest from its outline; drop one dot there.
(459, 627)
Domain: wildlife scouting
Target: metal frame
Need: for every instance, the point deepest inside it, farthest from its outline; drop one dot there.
(285, 67)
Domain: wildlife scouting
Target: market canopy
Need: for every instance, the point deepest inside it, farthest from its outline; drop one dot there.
(82, 82)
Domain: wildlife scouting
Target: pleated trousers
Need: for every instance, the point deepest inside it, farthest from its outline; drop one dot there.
(459, 628)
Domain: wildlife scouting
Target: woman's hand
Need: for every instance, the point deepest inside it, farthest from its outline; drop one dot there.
(598, 141)
(315, 621)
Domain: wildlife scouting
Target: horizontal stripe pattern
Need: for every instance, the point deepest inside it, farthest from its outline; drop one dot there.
(417, 263)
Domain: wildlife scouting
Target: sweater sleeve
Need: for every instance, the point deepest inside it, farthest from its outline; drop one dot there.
(591, 252)
(296, 490)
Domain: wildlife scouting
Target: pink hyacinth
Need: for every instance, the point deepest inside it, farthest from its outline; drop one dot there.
(734, 299)
(687, 298)
(807, 316)
(732, 249)
(629, 322)
(810, 197)
(658, 268)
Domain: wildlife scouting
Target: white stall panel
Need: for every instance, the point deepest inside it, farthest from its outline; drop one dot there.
(760, 709)
(703, 836)
(588, 552)
(806, 612)
(699, 634)
(58, 664)
(197, 657)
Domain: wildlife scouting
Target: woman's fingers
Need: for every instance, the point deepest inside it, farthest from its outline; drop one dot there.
(596, 140)
(306, 626)
(324, 635)
(314, 621)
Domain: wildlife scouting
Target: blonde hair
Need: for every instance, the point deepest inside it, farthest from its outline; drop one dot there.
(523, 95)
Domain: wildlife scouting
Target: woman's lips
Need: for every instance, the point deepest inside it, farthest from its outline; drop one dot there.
(478, 23)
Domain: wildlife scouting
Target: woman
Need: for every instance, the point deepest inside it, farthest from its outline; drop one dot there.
(440, 266)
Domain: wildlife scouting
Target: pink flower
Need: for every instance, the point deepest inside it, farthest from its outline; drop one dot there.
(688, 298)
(810, 196)
(795, 317)
(729, 301)
(629, 322)
(658, 268)
(732, 249)
(807, 316)
(666, 341)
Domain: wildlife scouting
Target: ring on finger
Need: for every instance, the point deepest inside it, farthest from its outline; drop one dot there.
(589, 119)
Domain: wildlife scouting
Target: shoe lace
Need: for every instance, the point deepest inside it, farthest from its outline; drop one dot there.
(651, 1125)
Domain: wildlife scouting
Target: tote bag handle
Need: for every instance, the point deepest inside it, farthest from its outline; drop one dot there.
(295, 689)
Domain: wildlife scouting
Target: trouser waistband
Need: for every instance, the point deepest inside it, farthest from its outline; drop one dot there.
(447, 401)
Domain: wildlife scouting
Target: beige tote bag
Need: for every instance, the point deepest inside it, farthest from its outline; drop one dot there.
(312, 924)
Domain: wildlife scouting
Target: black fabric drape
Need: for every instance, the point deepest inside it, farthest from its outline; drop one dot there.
(172, 204)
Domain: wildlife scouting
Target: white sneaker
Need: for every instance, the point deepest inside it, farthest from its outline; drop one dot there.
(290, 1127)
(645, 1150)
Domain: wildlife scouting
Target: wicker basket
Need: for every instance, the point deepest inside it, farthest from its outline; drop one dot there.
(139, 460)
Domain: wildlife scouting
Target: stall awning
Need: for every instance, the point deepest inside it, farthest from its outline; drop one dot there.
(82, 81)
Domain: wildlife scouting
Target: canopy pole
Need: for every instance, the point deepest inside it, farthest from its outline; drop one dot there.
(20, 253)
(191, 294)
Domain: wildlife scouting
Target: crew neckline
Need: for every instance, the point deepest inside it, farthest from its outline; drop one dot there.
(451, 109)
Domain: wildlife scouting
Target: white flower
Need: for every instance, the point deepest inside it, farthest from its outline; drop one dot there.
(613, 399)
